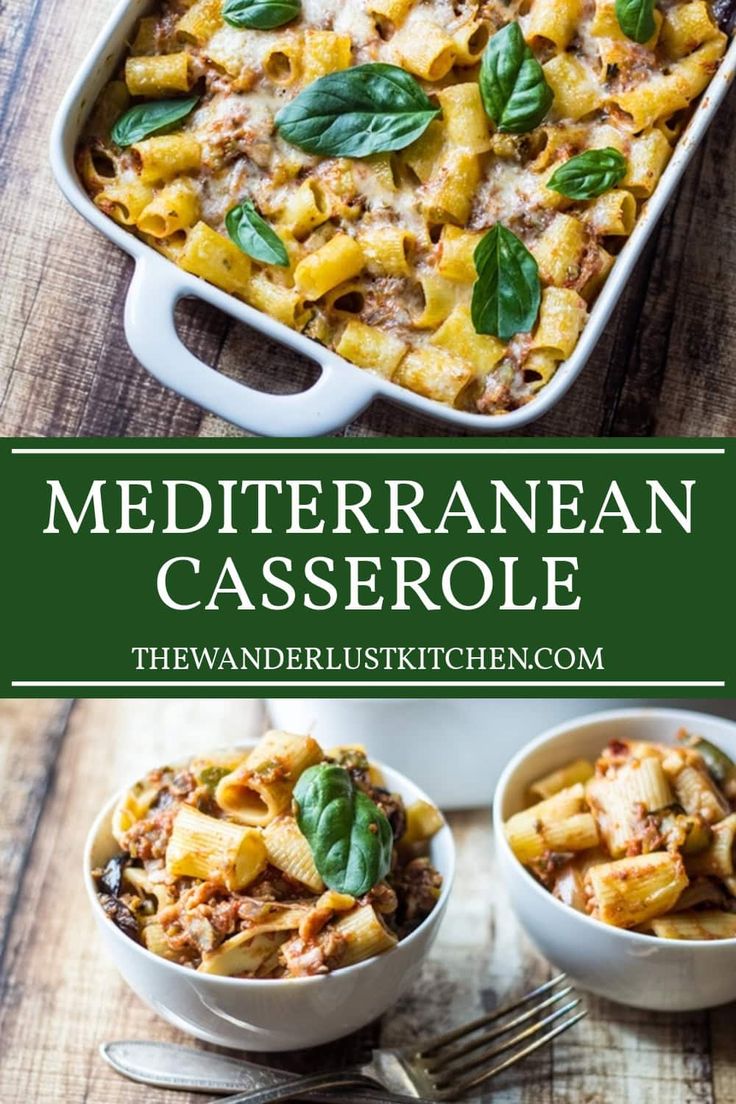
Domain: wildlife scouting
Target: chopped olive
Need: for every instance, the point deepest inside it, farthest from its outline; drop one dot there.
(121, 916)
(719, 765)
(111, 878)
(351, 758)
(725, 14)
(211, 776)
(681, 830)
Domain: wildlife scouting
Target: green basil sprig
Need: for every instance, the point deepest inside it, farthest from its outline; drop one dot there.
(254, 236)
(261, 15)
(507, 292)
(513, 86)
(149, 118)
(589, 174)
(349, 837)
(636, 19)
(355, 112)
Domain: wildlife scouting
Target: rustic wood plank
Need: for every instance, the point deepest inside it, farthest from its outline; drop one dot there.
(679, 368)
(64, 365)
(62, 997)
(664, 365)
(722, 1054)
(30, 736)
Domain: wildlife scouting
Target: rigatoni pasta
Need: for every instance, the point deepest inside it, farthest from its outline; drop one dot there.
(393, 230)
(224, 868)
(659, 853)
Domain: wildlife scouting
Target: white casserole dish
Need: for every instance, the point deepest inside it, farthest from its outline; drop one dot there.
(342, 390)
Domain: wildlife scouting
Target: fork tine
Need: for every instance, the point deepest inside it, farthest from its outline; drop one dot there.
(490, 1017)
(446, 1075)
(450, 1093)
(446, 1057)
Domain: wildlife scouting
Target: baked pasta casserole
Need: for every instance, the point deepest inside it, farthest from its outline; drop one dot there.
(643, 839)
(278, 862)
(435, 190)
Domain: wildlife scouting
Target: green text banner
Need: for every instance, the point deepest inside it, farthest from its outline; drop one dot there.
(357, 568)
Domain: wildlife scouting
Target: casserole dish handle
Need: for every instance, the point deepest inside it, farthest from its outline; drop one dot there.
(335, 399)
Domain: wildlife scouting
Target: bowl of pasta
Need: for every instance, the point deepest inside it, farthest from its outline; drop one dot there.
(439, 208)
(270, 898)
(616, 840)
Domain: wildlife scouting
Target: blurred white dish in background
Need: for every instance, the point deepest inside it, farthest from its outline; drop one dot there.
(663, 975)
(455, 748)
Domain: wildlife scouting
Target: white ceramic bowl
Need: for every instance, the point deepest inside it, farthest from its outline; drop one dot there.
(277, 1014)
(658, 974)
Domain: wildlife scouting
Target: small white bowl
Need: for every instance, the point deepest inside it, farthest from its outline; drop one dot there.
(277, 1014)
(662, 975)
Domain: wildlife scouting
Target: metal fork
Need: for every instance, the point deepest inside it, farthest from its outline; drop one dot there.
(448, 1065)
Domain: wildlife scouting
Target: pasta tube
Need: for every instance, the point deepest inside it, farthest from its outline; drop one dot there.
(560, 823)
(174, 208)
(259, 790)
(371, 348)
(288, 850)
(425, 49)
(718, 858)
(163, 157)
(580, 770)
(216, 259)
(338, 260)
(422, 822)
(433, 372)
(631, 891)
(159, 75)
(204, 847)
(694, 788)
(617, 802)
(243, 954)
(456, 254)
(364, 934)
(701, 924)
(457, 332)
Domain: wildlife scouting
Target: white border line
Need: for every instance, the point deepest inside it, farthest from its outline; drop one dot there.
(428, 684)
(372, 451)
(323, 684)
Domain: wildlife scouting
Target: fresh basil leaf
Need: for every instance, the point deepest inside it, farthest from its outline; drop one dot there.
(513, 86)
(349, 836)
(254, 236)
(150, 118)
(589, 174)
(356, 112)
(507, 293)
(636, 19)
(261, 15)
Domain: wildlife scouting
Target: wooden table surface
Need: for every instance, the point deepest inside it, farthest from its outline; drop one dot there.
(60, 997)
(665, 365)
